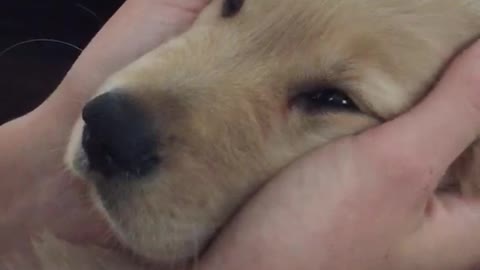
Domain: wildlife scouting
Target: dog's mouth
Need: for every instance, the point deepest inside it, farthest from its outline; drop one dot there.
(118, 205)
(98, 229)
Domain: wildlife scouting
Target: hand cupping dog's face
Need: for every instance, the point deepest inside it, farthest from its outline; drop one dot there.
(178, 140)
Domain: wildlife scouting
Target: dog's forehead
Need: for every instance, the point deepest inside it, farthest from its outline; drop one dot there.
(384, 51)
(287, 26)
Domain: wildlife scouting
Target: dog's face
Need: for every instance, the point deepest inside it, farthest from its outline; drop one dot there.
(176, 141)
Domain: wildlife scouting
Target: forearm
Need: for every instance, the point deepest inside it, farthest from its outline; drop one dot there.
(32, 147)
(137, 27)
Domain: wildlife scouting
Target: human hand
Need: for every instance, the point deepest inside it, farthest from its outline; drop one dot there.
(368, 201)
(35, 190)
(321, 219)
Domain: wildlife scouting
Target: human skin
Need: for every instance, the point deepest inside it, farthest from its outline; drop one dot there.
(35, 189)
(382, 171)
(369, 201)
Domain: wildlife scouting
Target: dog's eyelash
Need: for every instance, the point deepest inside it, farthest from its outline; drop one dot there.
(231, 8)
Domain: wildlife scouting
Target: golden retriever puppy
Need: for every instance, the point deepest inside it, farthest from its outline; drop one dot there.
(174, 143)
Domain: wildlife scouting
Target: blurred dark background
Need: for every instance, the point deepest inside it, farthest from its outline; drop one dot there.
(30, 70)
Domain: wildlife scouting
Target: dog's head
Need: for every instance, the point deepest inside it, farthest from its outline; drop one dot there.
(176, 141)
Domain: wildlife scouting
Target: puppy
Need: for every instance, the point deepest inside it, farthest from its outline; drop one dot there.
(174, 143)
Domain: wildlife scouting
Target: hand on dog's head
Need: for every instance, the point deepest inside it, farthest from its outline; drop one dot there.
(174, 143)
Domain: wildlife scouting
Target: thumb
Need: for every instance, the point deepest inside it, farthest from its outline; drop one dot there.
(417, 148)
(421, 144)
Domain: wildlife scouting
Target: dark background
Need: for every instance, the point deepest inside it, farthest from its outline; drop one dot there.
(30, 71)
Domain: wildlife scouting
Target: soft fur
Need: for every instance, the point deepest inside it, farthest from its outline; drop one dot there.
(221, 93)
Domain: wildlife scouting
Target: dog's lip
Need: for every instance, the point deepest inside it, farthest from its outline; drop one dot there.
(101, 232)
(95, 228)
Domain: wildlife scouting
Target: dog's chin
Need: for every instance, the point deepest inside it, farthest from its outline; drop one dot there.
(77, 164)
(110, 201)
(109, 236)
(102, 202)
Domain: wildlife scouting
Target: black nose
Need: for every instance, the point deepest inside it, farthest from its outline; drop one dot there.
(118, 138)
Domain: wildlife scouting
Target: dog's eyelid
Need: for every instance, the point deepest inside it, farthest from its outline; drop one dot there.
(311, 86)
(318, 96)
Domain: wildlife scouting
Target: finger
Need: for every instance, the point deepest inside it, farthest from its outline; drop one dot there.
(423, 142)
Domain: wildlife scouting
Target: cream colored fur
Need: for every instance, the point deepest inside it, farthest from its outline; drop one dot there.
(220, 94)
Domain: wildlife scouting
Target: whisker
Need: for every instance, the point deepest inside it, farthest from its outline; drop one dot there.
(174, 238)
(196, 248)
(48, 40)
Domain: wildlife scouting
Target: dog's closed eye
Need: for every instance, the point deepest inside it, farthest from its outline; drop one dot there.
(231, 8)
(318, 98)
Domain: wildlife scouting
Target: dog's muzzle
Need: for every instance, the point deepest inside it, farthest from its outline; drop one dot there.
(118, 137)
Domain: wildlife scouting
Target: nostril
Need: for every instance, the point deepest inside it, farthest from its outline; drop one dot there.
(118, 137)
(98, 154)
